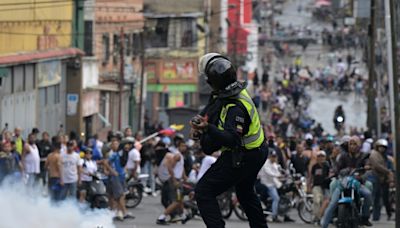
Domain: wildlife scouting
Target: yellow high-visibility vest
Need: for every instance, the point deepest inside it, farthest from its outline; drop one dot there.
(254, 138)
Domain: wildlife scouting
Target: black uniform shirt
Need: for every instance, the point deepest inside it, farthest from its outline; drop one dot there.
(237, 123)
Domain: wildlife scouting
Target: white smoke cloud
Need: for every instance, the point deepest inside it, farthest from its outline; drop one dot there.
(20, 209)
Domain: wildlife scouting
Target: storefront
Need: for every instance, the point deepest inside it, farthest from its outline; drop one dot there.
(171, 83)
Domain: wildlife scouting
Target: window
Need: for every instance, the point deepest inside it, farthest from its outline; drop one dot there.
(136, 44)
(164, 100)
(187, 99)
(159, 36)
(88, 44)
(106, 48)
(127, 44)
(189, 32)
(1, 81)
(116, 48)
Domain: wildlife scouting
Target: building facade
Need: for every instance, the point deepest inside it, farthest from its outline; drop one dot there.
(175, 38)
(38, 62)
(112, 27)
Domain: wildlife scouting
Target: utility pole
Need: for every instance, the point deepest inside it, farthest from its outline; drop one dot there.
(142, 82)
(121, 77)
(235, 40)
(390, 20)
(371, 70)
(378, 75)
(207, 26)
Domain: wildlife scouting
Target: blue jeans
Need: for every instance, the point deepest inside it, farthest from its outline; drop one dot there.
(377, 198)
(69, 190)
(273, 192)
(364, 192)
(55, 189)
(148, 169)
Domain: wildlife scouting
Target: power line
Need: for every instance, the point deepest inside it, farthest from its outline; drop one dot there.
(63, 4)
(36, 3)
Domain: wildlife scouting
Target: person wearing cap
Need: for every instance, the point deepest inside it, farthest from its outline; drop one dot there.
(354, 159)
(230, 123)
(318, 182)
(381, 177)
(89, 168)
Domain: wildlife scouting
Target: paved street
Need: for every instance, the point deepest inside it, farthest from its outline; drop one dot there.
(148, 211)
(323, 104)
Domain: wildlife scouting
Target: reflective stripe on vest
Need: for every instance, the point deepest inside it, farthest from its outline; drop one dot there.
(255, 135)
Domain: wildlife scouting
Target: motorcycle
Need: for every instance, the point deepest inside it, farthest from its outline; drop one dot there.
(339, 123)
(190, 205)
(97, 194)
(135, 191)
(292, 195)
(349, 203)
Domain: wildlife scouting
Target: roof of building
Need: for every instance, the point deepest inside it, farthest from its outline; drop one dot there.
(38, 56)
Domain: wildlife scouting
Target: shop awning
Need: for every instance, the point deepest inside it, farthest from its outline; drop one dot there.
(38, 56)
(108, 87)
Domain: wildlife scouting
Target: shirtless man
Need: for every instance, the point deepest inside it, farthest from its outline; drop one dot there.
(54, 166)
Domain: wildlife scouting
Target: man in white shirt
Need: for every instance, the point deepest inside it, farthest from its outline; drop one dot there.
(71, 170)
(269, 175)
(200, 169)
(206, 163)
(89, 168)
(133, 162)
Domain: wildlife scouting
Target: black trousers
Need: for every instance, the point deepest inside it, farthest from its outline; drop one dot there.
(221, 176)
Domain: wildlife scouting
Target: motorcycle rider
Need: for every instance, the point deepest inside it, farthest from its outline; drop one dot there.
(339, 118)
(320, 185)
(269, 176)
(352, 160)
(229, 123)
(381, 177)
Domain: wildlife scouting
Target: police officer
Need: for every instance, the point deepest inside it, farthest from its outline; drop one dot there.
(229, 123)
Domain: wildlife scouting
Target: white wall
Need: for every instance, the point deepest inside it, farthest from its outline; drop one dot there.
(90, 72)
(19, 110)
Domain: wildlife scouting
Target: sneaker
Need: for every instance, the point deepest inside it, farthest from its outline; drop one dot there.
(366, 222)
(178, 218)
(147, 190)
(120, 216)
(128, 215)
(162, 222)
(276, 220)
(288, 219)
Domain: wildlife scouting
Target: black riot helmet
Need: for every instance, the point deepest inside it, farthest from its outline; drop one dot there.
(218, 71)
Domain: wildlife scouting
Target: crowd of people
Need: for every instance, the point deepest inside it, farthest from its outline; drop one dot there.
(295, 138)
(67, 165)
